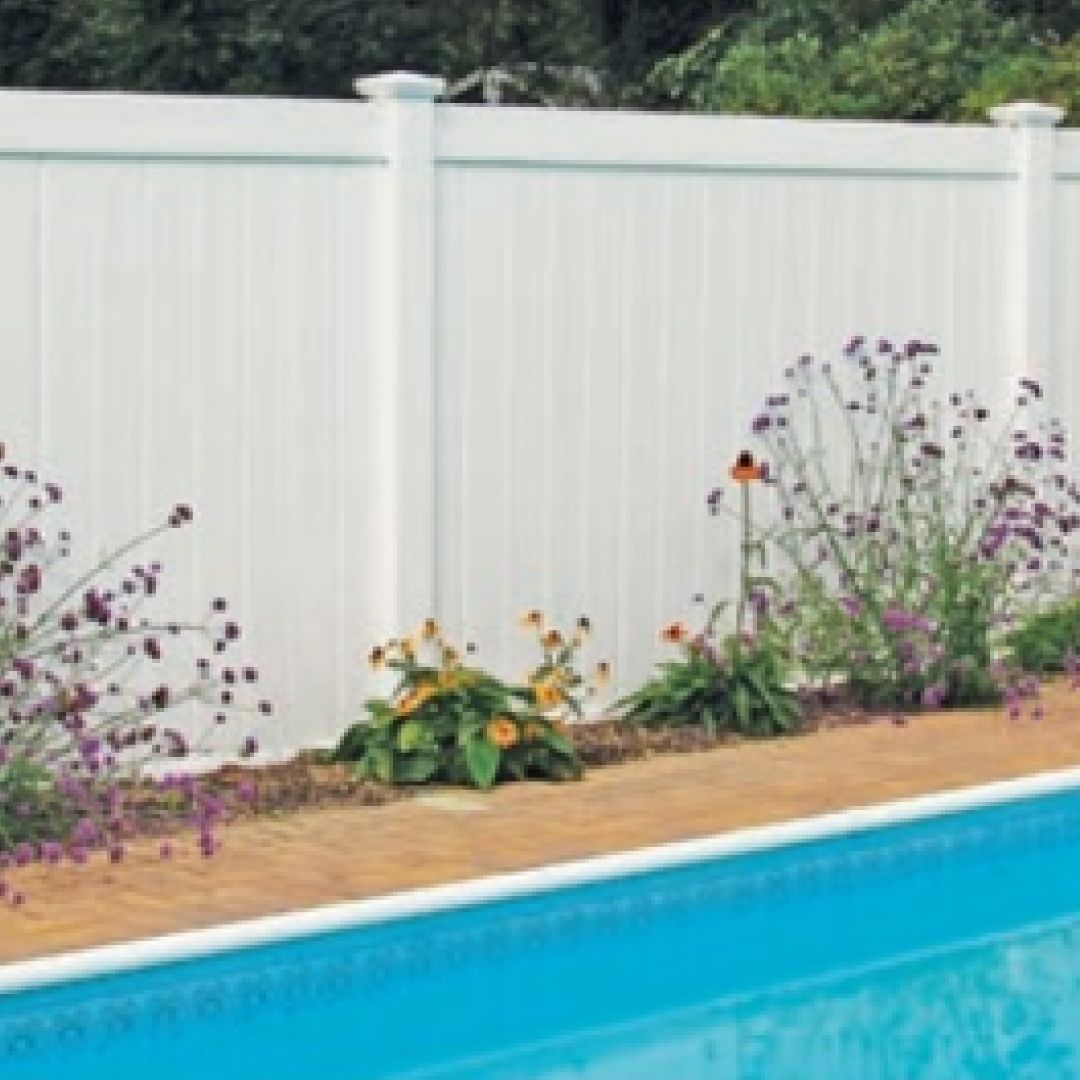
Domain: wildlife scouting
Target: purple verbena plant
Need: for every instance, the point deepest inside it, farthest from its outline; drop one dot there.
(88, 689)
(914, 526)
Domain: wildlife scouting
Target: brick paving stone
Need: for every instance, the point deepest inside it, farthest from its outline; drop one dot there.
(348, 852)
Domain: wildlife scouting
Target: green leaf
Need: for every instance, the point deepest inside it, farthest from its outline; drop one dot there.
(416, 768)
(353, 743)
(558, 742)
(482, 761)
(411, 736)
(380, 764)
(741, 702)
(381, 711)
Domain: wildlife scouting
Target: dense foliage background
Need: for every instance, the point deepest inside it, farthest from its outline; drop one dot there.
(904, 59)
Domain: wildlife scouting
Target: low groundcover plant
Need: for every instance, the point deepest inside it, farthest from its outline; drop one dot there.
(450, 721)
(1048, 640)
(83, 701)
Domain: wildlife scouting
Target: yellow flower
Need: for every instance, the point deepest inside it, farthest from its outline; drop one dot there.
(552, 639)
(603, 671)
(503, 732)
(674, 633)
(429, 629)
(450, 656)
(547, 694)
(450, 678)
(532, 618)
(377, 656)
(408, 647)
(415, 698)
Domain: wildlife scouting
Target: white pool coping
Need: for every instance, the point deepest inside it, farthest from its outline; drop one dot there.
(193, 944)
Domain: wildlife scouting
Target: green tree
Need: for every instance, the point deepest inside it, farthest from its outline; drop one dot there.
(635, 34)
(921, 62)
(299, 47)
(30, 33)
(918, 61)
(1046, 72)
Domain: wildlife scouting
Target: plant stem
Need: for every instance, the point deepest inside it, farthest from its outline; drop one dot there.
(744, 561)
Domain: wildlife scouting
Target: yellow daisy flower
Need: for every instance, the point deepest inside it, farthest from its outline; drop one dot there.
(503, 732)
(547, 694)
(415, 698)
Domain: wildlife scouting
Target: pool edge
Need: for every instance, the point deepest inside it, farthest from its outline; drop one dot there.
(228, 937)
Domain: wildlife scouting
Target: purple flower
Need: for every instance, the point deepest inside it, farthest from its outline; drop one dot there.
(85, 831)
(896, 620)
(852, 606)
(933, 696)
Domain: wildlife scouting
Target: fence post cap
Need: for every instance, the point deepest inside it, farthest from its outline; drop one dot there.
(1026, 114)
(400, 86)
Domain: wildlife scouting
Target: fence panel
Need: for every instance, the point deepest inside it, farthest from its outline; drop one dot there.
(186, 292)
(409, 358)
(616, 299)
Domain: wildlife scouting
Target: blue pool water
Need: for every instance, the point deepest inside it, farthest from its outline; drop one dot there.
(945, 948)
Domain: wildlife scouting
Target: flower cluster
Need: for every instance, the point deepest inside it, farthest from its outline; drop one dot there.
(555, 682)
(88, 684)
(448, 720)
(914, 527)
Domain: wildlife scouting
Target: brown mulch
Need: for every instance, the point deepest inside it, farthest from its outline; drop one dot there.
(306, 780)
(610, 742)
(309, 780)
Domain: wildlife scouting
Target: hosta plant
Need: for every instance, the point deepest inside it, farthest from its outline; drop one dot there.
(89, 683)
(451, 721)
(914, 523)
(739, 684)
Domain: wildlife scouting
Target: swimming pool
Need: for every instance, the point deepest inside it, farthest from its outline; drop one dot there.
(945, 946)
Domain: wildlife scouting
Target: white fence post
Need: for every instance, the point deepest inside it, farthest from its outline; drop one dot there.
(1030, 252)
(403, 225)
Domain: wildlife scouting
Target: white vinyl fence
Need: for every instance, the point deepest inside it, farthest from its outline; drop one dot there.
(407, 358)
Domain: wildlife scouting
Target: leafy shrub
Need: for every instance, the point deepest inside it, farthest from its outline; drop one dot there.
(739, 686)
(448, 721)
(1047, 640)
(1045, 71)
(920, 60)
(83, 703)
(913, 527)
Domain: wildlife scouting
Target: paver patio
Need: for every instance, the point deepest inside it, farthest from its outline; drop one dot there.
(349, 852)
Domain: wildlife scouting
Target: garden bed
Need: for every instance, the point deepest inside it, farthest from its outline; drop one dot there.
(309, 781)
(330, 853)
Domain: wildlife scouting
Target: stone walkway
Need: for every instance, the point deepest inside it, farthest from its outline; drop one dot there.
(349, 852)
